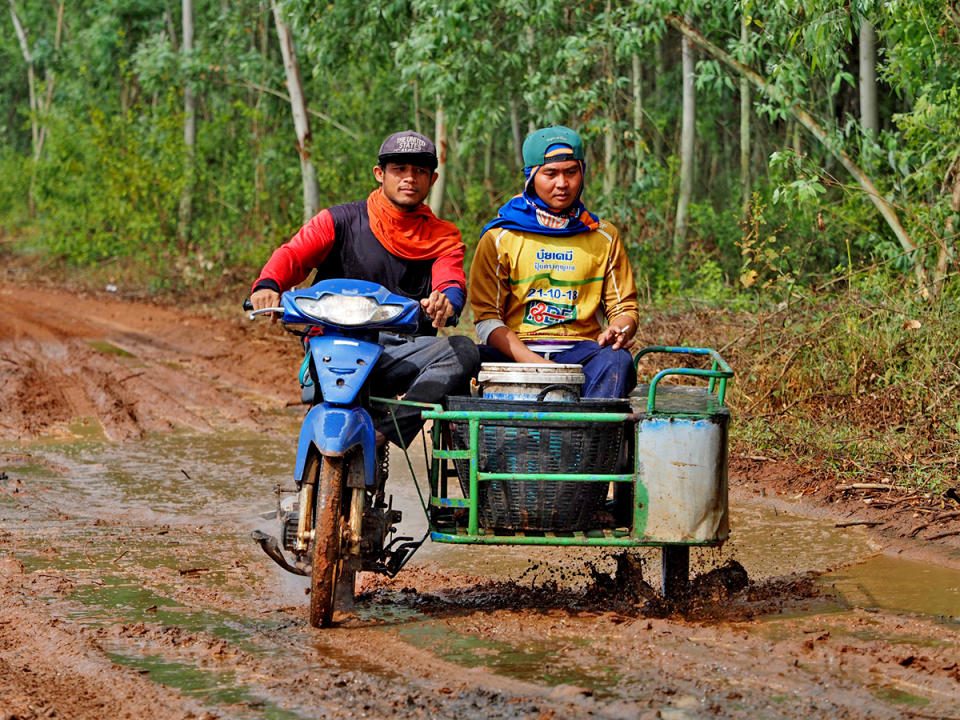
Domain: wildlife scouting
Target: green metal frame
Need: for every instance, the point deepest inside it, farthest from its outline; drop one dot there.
(439, 468)
(718, 373)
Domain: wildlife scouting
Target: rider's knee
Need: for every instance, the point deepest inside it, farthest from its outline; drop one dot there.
(623, 360)
(467, 354)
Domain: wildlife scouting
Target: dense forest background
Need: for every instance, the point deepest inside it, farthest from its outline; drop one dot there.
(796, 160)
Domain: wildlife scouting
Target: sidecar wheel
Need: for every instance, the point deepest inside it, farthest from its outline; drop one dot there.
(328, 532)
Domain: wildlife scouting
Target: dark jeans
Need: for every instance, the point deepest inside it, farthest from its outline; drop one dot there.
(607, 373)
(426, 369)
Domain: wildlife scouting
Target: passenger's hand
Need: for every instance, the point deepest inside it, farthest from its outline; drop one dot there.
(618, 335)
(438, 307)
(266, 298)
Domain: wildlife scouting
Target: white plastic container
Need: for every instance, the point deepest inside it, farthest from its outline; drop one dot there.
(530, 381)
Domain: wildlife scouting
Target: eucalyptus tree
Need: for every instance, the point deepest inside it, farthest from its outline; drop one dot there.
(39, 105)
(298, 108)
(687, 138)
(189, 127)
(921, 40)
(465, 56)
(803, 70)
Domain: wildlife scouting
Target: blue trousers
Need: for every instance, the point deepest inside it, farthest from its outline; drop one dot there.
(608, 373)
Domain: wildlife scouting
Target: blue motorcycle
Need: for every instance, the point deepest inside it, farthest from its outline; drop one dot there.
(530, 472)
(337, 522)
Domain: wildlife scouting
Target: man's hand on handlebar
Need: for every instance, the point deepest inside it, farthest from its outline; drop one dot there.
(266, 298)
(438, 307)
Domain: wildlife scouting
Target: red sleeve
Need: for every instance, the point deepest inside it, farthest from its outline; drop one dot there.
(292, 262)
(448, 270)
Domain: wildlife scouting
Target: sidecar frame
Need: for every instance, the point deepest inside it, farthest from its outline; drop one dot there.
(676, 475)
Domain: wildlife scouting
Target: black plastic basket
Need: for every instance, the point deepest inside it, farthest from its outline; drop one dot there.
(510, 446)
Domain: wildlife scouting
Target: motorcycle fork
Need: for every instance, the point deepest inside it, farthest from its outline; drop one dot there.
(305, 521)
(356, 486)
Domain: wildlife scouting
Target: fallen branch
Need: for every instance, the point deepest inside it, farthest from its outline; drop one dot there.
(938, 518)
(943, 535)
(887, 504)
(193, 571)
(868, 523)
(871, 486)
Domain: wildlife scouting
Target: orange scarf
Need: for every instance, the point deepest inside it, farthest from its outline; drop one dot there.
(416, 235)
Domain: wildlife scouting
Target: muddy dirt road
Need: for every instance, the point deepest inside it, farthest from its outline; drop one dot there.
(138, 446)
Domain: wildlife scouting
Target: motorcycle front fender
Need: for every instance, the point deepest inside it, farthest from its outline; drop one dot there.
(335, 431)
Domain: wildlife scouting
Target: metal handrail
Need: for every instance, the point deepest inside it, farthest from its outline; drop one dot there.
(724, 373)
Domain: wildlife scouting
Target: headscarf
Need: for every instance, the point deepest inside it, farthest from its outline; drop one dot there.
(414, 235)
(527, 211)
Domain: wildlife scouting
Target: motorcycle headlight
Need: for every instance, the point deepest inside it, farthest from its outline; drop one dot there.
(348, 311)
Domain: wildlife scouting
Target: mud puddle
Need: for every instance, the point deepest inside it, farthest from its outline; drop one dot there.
(147, 544)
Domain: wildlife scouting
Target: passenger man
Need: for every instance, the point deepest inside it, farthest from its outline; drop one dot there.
(391, 238)
(547, 272)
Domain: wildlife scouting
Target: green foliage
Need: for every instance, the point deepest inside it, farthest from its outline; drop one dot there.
(862, 382)
(111, 172)
(107, 188)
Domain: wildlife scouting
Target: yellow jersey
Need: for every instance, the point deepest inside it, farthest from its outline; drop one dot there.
(545, 287)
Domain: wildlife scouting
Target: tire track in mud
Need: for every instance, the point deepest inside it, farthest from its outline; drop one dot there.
(49, 669)
(394, 659)
(133, 366)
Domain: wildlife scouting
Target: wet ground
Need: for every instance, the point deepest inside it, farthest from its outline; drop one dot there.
(144, 546)
(129, 586)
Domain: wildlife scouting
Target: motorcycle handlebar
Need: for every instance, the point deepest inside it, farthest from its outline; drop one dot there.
(247, 305)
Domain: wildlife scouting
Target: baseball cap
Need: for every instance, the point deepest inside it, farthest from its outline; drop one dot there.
(551, 144)
(408, 146)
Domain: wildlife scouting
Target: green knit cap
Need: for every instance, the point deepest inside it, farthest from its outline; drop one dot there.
(540, 142)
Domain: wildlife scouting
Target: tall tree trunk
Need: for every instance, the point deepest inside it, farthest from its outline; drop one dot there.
(171, 30)
(51, 81)
(609, 139)
(301, 120)
(638, 140)
(439, 187)
(31, 75)
(745, 103)
(887, 212)
(185, 216)
(262, 45)
(869, 115)
(34, 105)
(609, 159)
(515, 130)
(660, 68)
(488, 170)
(687, 138)
(531, 53)
(416, 106)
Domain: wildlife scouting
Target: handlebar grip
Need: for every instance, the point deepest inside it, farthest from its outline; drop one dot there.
(247, 305)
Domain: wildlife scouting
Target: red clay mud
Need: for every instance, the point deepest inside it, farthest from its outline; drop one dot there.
(429, 643)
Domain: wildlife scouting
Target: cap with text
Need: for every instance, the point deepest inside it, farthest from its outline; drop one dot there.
(408, 146)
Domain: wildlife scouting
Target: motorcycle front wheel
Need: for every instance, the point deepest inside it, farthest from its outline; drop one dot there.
(328, 527)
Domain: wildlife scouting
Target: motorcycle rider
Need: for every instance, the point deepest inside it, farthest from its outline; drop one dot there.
(394, 239)
(546, 270)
